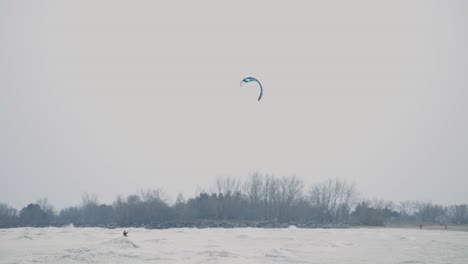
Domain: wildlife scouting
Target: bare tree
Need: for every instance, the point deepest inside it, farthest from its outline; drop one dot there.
(43, 203)
(89, 208)
(429, 212)
(8, 215)
(253, 191)
(382, 204)
(153, 195)
(265, 194)
(458, 214)
(253, 188)
(406, 208)
(274, 194)
(333, 200)
(89, 199)
(227, 186)
(47, 208)
(180, 199)
(5, 209)
(290, 189)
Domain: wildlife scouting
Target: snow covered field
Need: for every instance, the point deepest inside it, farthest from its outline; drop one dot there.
(243, 245)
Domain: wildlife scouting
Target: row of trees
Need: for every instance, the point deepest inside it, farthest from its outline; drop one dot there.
(259, 199)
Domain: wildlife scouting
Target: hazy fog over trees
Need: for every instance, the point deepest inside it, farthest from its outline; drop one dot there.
(260, 200)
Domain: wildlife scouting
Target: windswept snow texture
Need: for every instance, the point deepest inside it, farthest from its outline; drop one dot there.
(243, 245)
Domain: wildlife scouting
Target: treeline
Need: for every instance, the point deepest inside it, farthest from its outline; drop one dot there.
(261, 200)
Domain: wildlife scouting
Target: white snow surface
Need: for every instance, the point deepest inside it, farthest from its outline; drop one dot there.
(240, 245)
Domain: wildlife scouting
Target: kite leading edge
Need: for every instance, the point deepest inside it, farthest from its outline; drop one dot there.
(252, 79)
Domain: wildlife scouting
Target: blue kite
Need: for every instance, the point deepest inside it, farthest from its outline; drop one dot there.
(252, 79)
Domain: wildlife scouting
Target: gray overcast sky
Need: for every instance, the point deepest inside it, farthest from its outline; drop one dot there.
(112, 97)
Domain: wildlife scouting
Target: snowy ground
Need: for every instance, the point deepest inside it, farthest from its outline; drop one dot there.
(243, 245)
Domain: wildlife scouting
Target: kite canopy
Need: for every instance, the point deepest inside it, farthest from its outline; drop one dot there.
(252, 79)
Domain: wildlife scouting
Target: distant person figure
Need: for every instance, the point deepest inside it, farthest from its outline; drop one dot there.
(125, 233)
(445, 226)
(420, 226)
